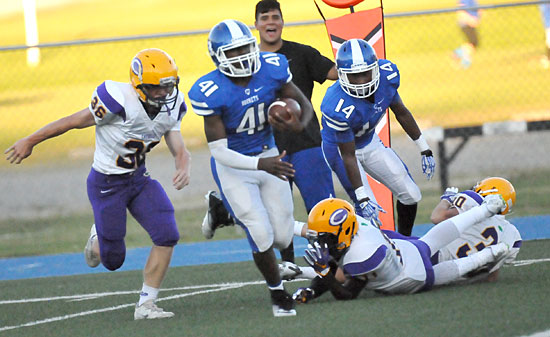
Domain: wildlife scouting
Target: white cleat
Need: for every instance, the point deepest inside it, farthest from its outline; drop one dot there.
(207, 226)
(289, 271)
(499, 252)
(495, 203)
(149, 310)
(92, 259)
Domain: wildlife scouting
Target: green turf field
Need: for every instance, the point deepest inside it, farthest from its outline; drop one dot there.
(229, 300)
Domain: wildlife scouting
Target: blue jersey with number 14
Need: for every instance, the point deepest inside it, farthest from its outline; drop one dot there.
(243, 109)
(347, 118)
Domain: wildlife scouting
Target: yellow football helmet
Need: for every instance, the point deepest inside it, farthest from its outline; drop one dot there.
(153, 69)
(336, 219)
(497, 185)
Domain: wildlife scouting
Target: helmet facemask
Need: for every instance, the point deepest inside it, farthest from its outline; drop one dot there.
(361, 90)
(167, 85)
(244, 64)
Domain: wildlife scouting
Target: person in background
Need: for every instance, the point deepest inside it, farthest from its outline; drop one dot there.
(468, 21)
(545, 12)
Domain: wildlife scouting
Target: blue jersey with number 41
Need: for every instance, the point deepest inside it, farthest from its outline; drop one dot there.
(243, 109)
(346, 118)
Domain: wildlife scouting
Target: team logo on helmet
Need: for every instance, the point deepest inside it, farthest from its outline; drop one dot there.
(137, 68)
(338, 217)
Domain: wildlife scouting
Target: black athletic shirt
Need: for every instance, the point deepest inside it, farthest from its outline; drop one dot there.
(306, 65)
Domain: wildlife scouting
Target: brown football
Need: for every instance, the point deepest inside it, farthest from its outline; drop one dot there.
(283, 107)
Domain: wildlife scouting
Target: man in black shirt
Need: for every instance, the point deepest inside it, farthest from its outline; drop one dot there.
(313, 176)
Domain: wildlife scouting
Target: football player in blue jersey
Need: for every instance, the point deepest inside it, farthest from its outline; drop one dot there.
(246, 164)
(312, 176)
(352, 108)
(129, 119)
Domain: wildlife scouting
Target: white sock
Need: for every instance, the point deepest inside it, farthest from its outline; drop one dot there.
(277, 287)
(464, 220)
(147, 293)
(446, 272)
(474, 261)
(308, 273)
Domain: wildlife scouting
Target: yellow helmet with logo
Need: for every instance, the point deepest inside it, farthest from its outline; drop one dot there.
(336, 219)
(153, 68)
(497, 185)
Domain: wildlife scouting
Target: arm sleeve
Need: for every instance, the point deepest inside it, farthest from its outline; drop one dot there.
(347, 291)
(228, 157)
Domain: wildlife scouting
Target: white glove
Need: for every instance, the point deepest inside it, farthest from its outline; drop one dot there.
(370, 209)
(449, 193)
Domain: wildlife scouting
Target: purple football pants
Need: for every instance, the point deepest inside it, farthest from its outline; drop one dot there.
(111, 195)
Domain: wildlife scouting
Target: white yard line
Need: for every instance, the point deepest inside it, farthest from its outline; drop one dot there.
(217, 287)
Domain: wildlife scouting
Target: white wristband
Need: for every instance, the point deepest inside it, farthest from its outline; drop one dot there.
(298, 227)
(422, 144)
(360, 193)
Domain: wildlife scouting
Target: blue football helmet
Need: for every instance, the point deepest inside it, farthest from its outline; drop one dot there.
(353, 57)
(232, 34)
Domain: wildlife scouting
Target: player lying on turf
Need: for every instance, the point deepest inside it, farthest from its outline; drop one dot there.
(386, 261)
(485, 233)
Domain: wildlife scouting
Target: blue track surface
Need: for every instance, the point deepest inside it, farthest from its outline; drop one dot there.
(531, 228)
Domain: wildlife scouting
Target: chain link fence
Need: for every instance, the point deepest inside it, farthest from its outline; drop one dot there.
(506, 81)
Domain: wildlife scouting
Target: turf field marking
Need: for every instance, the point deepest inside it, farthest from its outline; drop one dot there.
(218, 287)
(528, 262)
(83, 297)
(539, 334)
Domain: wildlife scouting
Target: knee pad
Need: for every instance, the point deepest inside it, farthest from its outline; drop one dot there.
(411, 196)
(168, 237)
(113, 254)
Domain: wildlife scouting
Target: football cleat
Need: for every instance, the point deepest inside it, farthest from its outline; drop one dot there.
(216, 216)
(499, 252)
(283, 304)
(303, 295)
(149, 310)
(495, 203)
(289, 271)
(92, 259)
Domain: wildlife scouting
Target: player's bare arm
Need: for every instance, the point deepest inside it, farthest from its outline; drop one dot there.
(405, 118)
(443, 211)
(182, 158)
(332, 74)
(292, 91)
(215, 131)
(23, 147)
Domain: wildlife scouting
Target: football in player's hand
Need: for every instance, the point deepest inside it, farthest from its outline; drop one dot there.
(283, 108)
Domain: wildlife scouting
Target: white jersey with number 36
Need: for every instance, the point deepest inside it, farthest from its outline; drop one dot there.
(124, 131)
